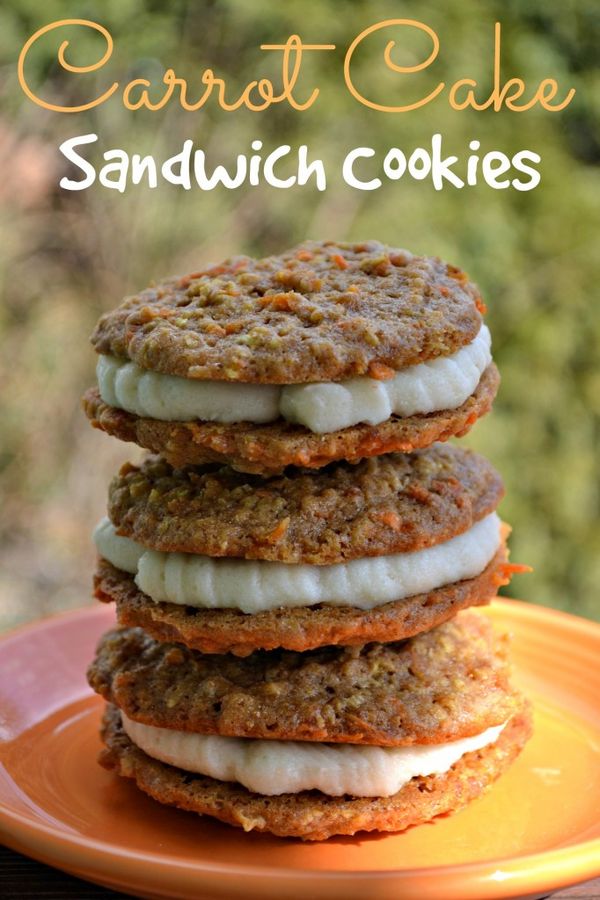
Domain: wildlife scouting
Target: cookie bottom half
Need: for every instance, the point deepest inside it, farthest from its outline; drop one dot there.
(300, 628)
(269, 449)
(311, 815)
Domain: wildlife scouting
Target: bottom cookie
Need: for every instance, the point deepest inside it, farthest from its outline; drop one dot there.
(311, 815)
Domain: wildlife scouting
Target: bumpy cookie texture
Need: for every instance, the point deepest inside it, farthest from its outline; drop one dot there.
(443, 685)
(311, 815)
(318, 312)
(304, 628)
(269, 449)
(389, 504)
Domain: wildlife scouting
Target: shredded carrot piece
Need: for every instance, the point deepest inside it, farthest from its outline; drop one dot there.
(515, 568)
(279, 531)
(457, 274)
(380, 371)
(391, 519)
(304, 255)
(215, 328)
(339, 260)
(506, 570)
(480, 306)
(419, 493)
(214, 270)
(217, 270)
(280, 301)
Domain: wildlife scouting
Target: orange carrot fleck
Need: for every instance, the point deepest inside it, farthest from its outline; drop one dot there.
(185, 281)
(279, 531)
(391, 519)
(515, 568)
(505, 570)
(419, 493)
(480, 305)
(304, 255)
(215, 328)
(339, 260)
(380, 371)
(280, 301)
(457, 274)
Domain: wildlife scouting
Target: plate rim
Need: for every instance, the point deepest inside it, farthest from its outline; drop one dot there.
(563, 865)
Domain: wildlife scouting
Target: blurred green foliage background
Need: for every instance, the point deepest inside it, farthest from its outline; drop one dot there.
(65, 257)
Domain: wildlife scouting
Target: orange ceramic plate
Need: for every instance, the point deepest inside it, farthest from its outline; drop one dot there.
(537, 830)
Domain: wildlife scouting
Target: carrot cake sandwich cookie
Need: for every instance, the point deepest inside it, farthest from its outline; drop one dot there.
(224, 561)
(332, 741)
(327, 351)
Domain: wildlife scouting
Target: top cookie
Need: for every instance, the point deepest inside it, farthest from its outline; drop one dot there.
(322, 311)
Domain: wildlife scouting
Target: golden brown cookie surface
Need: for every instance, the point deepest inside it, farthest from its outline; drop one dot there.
(443, 685)
(322, 311)
(396, 503)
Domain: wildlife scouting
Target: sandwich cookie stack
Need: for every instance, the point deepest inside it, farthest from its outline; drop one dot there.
(295, 564)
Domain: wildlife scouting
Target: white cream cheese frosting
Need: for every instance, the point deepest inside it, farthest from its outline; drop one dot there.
(442, 383)
(288, 767)
(254, 586)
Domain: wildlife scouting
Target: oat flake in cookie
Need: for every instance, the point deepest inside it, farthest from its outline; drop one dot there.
(327, 351)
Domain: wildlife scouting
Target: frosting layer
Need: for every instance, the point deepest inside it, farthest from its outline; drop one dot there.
(253, 586)
(288, 767)
(441, 383)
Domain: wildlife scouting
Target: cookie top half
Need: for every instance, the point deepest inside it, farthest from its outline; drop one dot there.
(443, 685)
(397, 503)
(321, 311)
